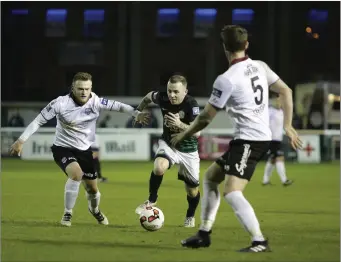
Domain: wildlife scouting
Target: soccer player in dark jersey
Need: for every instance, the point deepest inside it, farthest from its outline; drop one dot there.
(178, 110)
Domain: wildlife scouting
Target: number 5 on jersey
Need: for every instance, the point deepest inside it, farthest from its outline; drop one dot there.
(255, 87)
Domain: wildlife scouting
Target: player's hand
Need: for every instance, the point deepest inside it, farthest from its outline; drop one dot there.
(173, 119)
(177, 138)
(142, 118)
(16, 148)
(295, 141)
(134, 122)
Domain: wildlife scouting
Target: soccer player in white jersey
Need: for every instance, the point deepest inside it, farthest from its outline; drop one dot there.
(76, 114)
(243, 90)
(276, 154)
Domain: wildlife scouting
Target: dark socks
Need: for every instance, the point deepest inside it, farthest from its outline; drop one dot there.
(192, 204)
(154, 185)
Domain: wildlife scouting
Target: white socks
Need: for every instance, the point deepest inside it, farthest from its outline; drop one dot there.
(280, 168)
(281, 171)
(245, 214)
(71, 194)
(93, 201)
(269, 167)
(209, 205)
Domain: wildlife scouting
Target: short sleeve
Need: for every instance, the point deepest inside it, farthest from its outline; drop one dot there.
(222, 90)
(156, 97)
(194, 110)
(271, 76)
(51, 110)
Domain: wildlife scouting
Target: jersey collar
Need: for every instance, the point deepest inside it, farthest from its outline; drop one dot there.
(237, 60)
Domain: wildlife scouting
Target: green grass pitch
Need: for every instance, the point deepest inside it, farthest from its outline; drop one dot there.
(302, 221)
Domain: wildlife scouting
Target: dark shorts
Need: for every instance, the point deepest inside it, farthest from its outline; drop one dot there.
(242, 157)
(94, 149)
(275, 150)
(64, 156)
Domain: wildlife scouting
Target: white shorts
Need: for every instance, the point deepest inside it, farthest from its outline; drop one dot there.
(189, 163)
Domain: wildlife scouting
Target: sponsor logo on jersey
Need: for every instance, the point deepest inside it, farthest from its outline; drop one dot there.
(104, 101)
(88, 111)
(259, 110)
(216, 92)
(243, 162)
(49, 106)
(196, 110)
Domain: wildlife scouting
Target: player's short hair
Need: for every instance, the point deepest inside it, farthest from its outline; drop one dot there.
(82, 76)
(234, 37)
(178, 79)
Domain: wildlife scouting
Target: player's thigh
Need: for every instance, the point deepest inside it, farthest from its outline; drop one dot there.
(87, 164)
(161, 165)
(240, 161)
(95, 152)
(279, 151)
(275, 151)
(67, 161)
(164, 154)
(215, 173)
(280, 159)
(189, 168)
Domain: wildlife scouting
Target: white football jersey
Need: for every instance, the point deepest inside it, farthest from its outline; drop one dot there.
(244, 91)
(76, 124)
(276, 117)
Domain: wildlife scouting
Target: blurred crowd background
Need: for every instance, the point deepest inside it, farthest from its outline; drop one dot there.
(131, 48)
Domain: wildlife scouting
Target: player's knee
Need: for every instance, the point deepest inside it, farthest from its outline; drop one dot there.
(214, 174)
(280, 158)
(95, 154)
(74, 171)
(90, 186)
(233, 183)
(159, 170)
(160, 166)
(93, 195)
(193, 191)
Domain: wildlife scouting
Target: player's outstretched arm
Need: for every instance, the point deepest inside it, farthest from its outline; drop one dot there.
(111, 105)
(145, 101)
(286, 100)
(46, 114)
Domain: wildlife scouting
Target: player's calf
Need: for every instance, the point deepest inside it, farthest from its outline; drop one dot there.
(193, 199)
(161, 165)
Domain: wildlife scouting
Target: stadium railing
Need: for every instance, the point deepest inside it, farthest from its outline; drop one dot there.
(141, 144)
